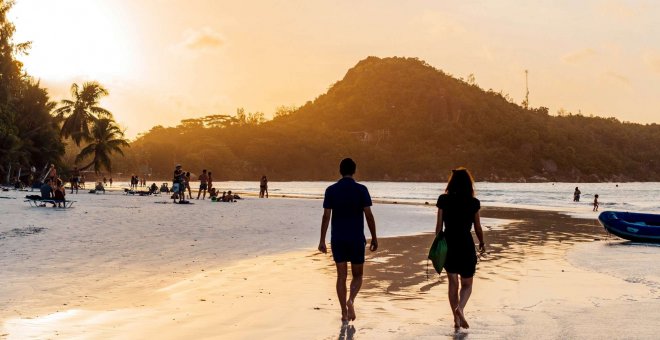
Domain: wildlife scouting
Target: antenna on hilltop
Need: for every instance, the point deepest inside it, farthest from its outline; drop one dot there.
(526, 101)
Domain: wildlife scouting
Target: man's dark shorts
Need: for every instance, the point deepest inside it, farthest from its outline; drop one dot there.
(348, 251)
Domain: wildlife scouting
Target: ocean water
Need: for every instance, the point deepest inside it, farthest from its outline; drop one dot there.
(636, 196)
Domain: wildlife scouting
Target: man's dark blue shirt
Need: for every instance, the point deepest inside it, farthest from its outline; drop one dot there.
(347, 199)
(46, 191)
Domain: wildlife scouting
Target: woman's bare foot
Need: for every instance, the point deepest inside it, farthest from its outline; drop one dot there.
(461, 317)
(351, 310)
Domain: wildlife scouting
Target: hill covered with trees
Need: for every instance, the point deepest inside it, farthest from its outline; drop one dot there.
(402, 119)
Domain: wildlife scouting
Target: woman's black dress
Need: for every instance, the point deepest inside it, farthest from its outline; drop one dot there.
(458, 215)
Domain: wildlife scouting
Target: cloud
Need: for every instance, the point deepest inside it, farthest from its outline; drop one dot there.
(202, 39)
(579, 56)
(652, 60)
(611, 75)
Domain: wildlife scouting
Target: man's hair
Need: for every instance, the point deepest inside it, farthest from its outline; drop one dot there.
(347, 167)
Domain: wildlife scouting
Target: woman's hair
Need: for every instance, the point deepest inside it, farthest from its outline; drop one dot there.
(460, 183)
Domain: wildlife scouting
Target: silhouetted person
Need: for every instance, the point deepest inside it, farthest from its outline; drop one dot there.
(75, 178)
(186, 179)
(347, 203)
(576, 195)
(58, 194)
(263, 187)
(458, 210)
(52, 173)
(178, 185)
(203, 184)
(46, 189)
(595, 202)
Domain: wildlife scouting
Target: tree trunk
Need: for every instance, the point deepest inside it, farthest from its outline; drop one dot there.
(8, 173)
(87, 166)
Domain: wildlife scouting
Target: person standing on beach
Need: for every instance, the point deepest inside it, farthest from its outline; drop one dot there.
(187, 181)
(110, 181)
(347, 203)
(595, 202)
(263, 187)
(203, 184)
(177, 184)
(576, 195)
(458, 210)
(210, 181)
(75, 178)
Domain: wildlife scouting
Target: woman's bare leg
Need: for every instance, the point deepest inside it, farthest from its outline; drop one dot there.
(464, 296)
(453, 297)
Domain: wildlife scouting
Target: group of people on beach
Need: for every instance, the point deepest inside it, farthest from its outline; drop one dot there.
(53, 189)
(181, 184)
(105, 181)
(135, 181)
(346, 204)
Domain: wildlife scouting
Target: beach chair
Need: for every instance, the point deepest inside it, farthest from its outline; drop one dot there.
(41, 202)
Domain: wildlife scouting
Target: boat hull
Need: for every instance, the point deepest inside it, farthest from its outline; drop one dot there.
(636, 227)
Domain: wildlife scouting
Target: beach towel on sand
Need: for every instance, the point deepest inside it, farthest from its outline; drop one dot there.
(438, 252)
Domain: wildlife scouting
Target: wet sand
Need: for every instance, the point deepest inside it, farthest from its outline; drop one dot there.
(529, 285)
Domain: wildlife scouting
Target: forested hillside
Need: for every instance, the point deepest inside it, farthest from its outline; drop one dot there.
(402, 119)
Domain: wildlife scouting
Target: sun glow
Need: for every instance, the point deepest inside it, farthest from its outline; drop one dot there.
(73, 39)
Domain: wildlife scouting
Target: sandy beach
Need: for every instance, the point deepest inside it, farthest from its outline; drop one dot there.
(129, 267)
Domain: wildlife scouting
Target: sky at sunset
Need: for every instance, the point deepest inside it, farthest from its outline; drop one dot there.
(166, 60)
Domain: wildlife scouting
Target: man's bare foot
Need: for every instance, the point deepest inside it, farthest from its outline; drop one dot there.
(461, 317)
(457, 321)
(351, 310)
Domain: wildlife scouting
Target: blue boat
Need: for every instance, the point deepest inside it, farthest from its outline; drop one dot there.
(632, 226)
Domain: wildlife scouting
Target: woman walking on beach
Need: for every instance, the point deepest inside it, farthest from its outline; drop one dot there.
(458, 210)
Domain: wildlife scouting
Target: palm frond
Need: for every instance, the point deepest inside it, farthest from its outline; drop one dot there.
(100, 112)
(74, 91)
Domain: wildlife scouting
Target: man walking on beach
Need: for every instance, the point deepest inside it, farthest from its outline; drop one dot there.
(347, 203)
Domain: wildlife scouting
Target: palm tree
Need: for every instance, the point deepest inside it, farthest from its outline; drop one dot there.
(106, 138)
(77, 115)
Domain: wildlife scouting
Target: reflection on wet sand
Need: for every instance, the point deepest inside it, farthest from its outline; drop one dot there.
(346, 332)
(406, 265)
(524, 286)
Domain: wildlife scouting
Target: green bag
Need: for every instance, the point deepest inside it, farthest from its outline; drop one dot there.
(438, 252)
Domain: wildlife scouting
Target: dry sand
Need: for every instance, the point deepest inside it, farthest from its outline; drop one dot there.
(127, 268)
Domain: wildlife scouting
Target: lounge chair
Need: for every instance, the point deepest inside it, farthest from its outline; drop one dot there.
(36, 202)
